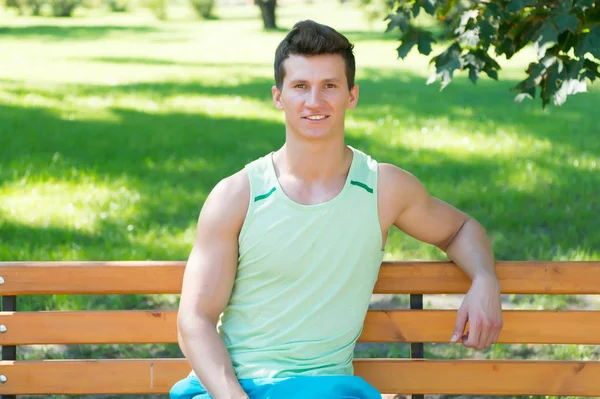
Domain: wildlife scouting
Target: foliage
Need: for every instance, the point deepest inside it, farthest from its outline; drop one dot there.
(158, 8)
(63, 8)
(376, 9)
(23, 7)
(204, 8)
(565, 33)
(118, 5)
(57, 8)
(110, 145)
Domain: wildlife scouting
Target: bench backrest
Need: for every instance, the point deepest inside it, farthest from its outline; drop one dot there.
(408, 376)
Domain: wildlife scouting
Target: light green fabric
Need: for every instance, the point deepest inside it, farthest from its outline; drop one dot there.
(305, 276)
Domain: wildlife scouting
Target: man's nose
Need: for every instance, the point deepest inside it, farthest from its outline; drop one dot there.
(314, 97)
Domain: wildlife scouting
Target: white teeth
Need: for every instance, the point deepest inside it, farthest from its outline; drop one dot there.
(316, 117)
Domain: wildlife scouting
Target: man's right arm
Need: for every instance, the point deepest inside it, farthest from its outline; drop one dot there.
(207, 285)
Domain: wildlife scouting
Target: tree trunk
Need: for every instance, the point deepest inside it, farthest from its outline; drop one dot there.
(267, 10)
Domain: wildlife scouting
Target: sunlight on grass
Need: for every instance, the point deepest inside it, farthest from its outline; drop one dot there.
(115, 127)
(80, 206)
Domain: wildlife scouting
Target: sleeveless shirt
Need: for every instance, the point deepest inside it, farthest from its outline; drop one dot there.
(305, 276)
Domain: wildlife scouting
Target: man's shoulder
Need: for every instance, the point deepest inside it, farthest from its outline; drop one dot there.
(393, 178)
(228, 201)
(234, 188)
(397, 189)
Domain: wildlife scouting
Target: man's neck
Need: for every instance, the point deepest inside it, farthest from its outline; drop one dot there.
(313, 160)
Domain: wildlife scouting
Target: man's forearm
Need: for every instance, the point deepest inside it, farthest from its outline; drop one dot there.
(206, 352)
(471, 251)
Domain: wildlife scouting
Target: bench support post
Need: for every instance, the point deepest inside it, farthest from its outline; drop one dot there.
(416, 348)
(9, 352)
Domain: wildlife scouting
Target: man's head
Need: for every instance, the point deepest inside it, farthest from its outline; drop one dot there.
(309, 38)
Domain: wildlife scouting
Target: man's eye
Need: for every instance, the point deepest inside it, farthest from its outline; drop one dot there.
(331, 86)
(300, 86)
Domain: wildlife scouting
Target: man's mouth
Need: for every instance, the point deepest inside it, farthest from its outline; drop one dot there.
(316, 117)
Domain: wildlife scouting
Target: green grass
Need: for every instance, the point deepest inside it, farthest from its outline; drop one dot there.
(114, 128)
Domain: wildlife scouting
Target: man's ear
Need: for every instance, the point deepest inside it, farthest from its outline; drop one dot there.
(277, 98)
(353, 100)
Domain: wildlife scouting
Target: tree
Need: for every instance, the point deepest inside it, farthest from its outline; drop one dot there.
(564, 33)
(267, 11)
(203, 8)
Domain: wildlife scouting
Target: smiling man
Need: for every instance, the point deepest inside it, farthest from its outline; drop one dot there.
(288, 249)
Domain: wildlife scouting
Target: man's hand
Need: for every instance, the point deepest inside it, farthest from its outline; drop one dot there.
(482, 308)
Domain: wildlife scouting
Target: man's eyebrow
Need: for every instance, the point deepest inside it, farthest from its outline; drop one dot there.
(295, 81)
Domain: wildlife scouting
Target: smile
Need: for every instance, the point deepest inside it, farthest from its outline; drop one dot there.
(316, 117)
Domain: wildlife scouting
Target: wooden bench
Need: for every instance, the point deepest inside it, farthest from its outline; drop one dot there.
(406, 376)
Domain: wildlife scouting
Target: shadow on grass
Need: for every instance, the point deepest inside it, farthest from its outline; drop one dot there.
(52, 32)
(165, 62)
(173, 160)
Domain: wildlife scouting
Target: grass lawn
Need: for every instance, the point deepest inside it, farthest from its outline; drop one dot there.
(114, 128)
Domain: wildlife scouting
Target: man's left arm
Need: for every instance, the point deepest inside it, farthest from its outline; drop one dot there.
(462, 238)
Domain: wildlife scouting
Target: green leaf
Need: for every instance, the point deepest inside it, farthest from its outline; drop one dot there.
(590, 70)
(406, 46)
(547, 35)
(487, 31)
(473, 74)
(589, 43)
(519, 5)
(397, 20)
(445, 65)
(416, 9)
(429, 6)
(525, 93)
(565, 21)
(567, 88)
(424, 42)
(492, 73)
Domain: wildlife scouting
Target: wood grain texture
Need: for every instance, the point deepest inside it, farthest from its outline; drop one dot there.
(139, 326)
(452, 377)
(26, 278)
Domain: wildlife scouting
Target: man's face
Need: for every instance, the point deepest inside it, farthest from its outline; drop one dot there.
(315, 95)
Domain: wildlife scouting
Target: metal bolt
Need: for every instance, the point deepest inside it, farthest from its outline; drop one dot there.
(3, 328)
(3, 379)
(1, 280)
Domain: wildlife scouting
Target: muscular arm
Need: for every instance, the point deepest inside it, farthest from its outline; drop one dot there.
(407, 205)
(207, 285)
(431, 220)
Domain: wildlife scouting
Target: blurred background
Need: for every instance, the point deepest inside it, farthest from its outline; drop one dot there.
(117, 117)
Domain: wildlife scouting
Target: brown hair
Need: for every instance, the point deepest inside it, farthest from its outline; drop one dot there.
(311, 38)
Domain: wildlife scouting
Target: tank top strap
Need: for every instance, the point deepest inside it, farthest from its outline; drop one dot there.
(262, 179)
(364, 174)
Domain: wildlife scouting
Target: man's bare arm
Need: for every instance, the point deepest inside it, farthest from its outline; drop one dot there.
(207, 285)
(428, 219)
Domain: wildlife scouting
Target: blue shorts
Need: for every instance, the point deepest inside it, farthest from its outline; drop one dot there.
(303, 387)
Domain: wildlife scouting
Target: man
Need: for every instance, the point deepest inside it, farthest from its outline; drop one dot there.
(288, 249)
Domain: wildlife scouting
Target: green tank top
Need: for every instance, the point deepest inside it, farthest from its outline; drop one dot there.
(304, 278)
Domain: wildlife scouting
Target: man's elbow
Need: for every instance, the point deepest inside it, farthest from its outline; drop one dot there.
(453, 237)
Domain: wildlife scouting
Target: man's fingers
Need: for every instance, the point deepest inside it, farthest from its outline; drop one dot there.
(459, 327)
(497, 331)
(474, 334)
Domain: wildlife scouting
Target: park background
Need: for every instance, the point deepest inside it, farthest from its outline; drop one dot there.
(114, 127)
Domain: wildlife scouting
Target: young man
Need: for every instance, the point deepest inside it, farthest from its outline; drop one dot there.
(288, 249)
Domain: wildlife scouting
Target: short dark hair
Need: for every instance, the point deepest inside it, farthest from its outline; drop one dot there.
(311, 38)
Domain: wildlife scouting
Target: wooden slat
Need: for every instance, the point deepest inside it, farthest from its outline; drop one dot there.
(94, 327)
(102, 327)
(520, 326)
(24, 278)
(452, 377)
(482, 377)
(127, 277)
